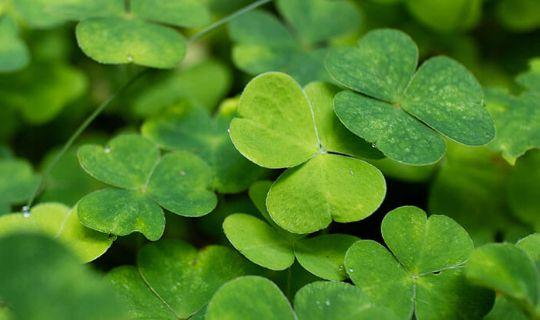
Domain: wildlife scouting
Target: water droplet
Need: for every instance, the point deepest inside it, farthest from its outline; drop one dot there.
(327, 302)
(351, 172)
(373, 145)
(26, 211)
(351, 270)
(182, 173)
(229, 130)
(107, 149)
(130, 58)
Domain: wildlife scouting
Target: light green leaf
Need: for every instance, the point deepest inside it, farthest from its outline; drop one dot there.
(79, 10)
(178, 182)
(274, 127)
(35, 13)
(519, 15)
(117, 41)
(323, 255)
(58, 221)
(249, 298)
(423, 272)
(315, 20)
(181, 13)
(329, 187)
(37, 272)
(531, 78)
(259, 241)
(17, 182)
(403, 109)
(336, 300)
(446, 16)
(508, 270)
(257, 193)
(14, 54)
(523, 190)
(531, 245)
(173, 279)
(192, 129)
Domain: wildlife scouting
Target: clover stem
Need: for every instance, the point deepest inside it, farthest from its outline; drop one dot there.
(106, 103)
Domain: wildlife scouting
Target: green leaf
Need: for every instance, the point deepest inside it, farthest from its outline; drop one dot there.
(283, 132)
(332, 187)
(523, 191)
(274, 127)
(315, 20)
(37, 272)
(178, 182)
(118, 41)
(249, 298)
(336, 300)
(17, 182)
(35, 13)
(192, 129)
(14, 54)
(447, 16)
(517, 121)
(58, 221)
(519, 15)
(422, 272)
(531, 245)
(403, 109)
(79, 10)
(181, 13)
(173, 280)
(508, 270)
(531, 78)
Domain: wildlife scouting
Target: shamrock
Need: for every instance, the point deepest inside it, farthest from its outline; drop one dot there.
(513, 271)
(192, 129)
(133, 31)
(143, 181)
(62, 223)
(402, 110)
(422, 273)
(17, 182)
(252, 297)
(281, 126)
(267, 245)
(173, 280)
(263, 43)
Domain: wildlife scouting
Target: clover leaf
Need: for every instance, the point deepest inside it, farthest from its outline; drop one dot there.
(263, 43)
(143, 182)
(523, 191)
(17, 182)
(422, 273)
(518, 15)
(512, 271)
(404, 111)
(134, 31)
(278, 127)
(37, 272)
(14, 54)
(252, 297)
(173, 280)
(193, 129)
(446, 16)
(269, 246)
(60, 222)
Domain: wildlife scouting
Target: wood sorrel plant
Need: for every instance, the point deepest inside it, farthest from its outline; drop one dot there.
(287, 159)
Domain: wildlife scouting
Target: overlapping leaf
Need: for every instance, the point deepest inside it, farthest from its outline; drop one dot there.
(58, 221)
(14, 54)
(143, 181)
(267, 245)
(173, 280)
(422, 273)
(263, 43)
(192, 129)
(17, 182)
(401, 110)
(524, 191)
(279, 127)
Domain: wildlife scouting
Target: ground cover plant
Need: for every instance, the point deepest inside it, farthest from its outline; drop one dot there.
(270, 159)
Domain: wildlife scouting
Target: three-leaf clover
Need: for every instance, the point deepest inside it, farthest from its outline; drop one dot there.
(17, 182)
(143, 181)
(281, 126)
(173, 280)
(263, 43)
(58, 221)
(267, 245)
(133, 31)
(513, 271)
(422, 272)
(193, 129)
(404, 111)
(256, 298)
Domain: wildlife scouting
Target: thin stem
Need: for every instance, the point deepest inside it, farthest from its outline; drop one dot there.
(226, 19)
(79, 131)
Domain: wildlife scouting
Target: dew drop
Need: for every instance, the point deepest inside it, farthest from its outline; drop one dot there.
(229, 130)
(351, 270)
(26, 211)
(351, 172)
(182, 173)
(130, 58)
(327, 302)
(107, 149)
(373, 145)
